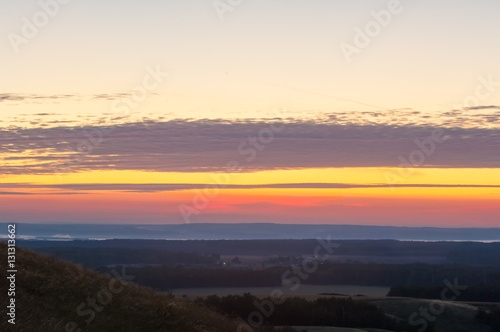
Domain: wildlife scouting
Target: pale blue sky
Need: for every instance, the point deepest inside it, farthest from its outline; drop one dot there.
(263, 55)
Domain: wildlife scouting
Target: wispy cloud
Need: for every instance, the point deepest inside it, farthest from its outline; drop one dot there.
(37, 98)
(21, 193)
(490, 107)
(14, 193)
(160, 187)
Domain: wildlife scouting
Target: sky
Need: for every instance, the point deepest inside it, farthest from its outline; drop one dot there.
(359, 112)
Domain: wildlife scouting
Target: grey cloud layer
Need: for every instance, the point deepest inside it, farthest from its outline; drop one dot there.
(208, 145)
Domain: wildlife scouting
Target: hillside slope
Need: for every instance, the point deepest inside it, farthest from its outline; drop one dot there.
(53, 295)
(455, 316)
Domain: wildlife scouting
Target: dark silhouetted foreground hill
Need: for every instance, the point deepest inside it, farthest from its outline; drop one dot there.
(53, 295)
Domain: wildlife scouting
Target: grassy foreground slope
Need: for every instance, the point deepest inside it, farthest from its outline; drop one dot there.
(336, 329)
(454, 317)
(49, 292)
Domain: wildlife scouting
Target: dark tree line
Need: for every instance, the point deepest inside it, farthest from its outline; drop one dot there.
(472, 253)
(94, 257)
(297, 311)
(168, 277)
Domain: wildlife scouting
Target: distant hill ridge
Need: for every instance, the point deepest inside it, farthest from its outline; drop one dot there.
(251, 231)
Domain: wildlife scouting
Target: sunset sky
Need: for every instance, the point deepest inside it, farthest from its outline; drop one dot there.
(167, 112)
